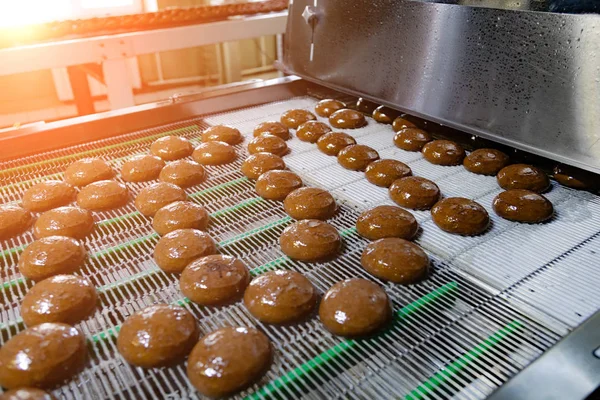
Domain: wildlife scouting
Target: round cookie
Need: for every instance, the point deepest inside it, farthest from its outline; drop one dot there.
(183, 173)
(157, 336)
(384, 172)
(386, 221)
(42, 356)
(365, 308)
(485, 161)
(573, 178)
(385, 115)
(294, 118)
(214, 280)
(154, 197)
(103, 195)
(357, 157)
(175, 250)
(333, 142)
(259, 163)
(277, 184)
(272, 128)
(26, 394)
(411, 139)
(268, 144)
(279, 297)
(460, 216)
(326, 107)
(83, 172)
(228, 360)
(414, 192)
(47, 195)
(180, 215)
(401, 122)
(14, 220)
(64, 221)
(347, 119)
(523, 176)
(311, 131)
(49, 256)
(310, 240)
(222, 133)
(142, 168)
(309, 203)
(395, 260)
(214, 153)
(443, 152)
(523, 206)
(61, 298)
(171, 148)
(365, 106)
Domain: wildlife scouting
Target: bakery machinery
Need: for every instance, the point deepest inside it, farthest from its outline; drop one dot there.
(511, 313)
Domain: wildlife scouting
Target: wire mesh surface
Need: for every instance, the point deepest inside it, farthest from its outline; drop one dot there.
(492, 304)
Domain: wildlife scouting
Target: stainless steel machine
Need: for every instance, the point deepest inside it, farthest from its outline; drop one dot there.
(512, 313)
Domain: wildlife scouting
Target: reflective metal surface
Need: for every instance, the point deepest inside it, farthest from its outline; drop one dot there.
(526, 79)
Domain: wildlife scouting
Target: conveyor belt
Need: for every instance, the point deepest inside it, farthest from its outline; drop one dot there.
(493, 303)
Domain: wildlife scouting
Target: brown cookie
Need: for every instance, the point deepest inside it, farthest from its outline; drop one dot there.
(213, 280)
(326, 107)
(414, 192)
(272, 128)
(294, 118)
(14, 220)
(228, 360)
(333, 142)
(523, 176)
(142, 168)
(183, 173)
(42, 356)
(357, 157)
(83, 172)
(180, 215)
(485, 161)
(64, 221)
(171, 148)
(355, 307)
(460, 216)
(214, 153)
(309, 203)
(49, 256)
(26, 394)
(443, 152)
(311, 131)
(103, 195)
(268, 144)
(277, 184)
(384, 172)
(279, 297)
(222, 133)
(386, 221)
(385, 115)
(574, 178)
(347, 119)
(411, 139)
(395, 260)
(157, 336)
(259, 163)
(154, 197)
(47, 195)
(401, 122)
(175, 250)
(310, 240)
(523, 206)
(61, 298)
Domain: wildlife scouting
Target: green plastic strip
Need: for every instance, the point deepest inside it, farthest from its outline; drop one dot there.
(96, 151)
(335, 352)
(461, 363)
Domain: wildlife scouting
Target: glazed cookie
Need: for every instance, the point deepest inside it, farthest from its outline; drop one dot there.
(214, 153)
(523, 176)
(103, 195)
(294, 118)
(395, 260)
(180, 215)
(171, 148)
(272, 128)
(154, 197)
(64, 221)
(347, 119)
(326, 107)
(523, 206)
(574, 178)
(222, 133)
(310, 203)
(414, 192)
(357, 157)
(443, 152)
(47, 195)
(84, 172)
(385, 115)
(384, 172)
(14, 220)
(157, 336)
(26, 394)
(259, 163)
(142, 168)
(386, 221)
(401, 122)
(175, 250)
(332, 143)
(213, 280)
(311, 131)
(486, 161)
(268, 144)
(411, 139)
(310, 240)
(460, 216)
(49, 256)
(277, 184)
(183, 173)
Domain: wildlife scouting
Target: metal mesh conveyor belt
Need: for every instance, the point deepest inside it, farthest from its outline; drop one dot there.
(492, 304)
